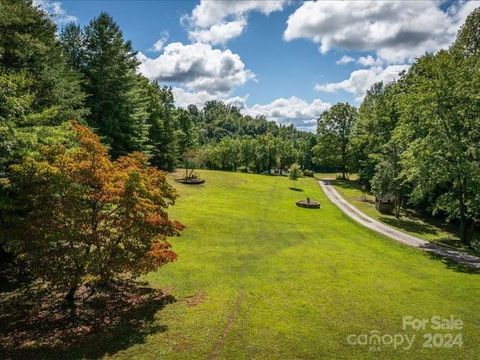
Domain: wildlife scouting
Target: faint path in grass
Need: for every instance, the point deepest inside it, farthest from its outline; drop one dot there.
(360, 217)
(228, 326)
(266, 205)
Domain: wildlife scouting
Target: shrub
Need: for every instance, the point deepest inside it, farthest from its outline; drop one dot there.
(308, 173)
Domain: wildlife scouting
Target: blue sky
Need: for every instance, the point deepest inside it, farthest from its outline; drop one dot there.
(287, 60)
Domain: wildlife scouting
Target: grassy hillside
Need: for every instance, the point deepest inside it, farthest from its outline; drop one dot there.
(259, 278)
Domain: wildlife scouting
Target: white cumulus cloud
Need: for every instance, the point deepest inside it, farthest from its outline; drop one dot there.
(198, 67)
(345, 59)
(56, 11)
(361, 80)
(216, 22)
(183, 98)
(397, 31)
(219, 33)
(370, 61)
(160, 43)
(293, 110)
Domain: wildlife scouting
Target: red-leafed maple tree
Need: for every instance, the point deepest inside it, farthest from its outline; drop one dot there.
(80, 217)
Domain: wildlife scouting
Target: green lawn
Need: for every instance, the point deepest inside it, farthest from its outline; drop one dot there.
(259, 278)
(430, 229)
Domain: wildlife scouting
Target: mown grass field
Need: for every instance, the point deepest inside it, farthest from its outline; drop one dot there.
(259, 278)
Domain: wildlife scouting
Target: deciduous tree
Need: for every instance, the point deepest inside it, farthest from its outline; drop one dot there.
(79, 217)
(294, 173)
(247, 152)
(442, 125)
(334, 137)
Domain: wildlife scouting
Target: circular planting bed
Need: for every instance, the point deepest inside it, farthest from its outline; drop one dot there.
(308, 203)
(191, 181)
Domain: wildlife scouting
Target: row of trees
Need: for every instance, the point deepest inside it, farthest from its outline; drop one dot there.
(418, 138)
(260, 154)
(223, 138)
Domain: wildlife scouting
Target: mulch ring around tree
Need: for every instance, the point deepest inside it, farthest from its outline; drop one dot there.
(308, 203)
(190, 181)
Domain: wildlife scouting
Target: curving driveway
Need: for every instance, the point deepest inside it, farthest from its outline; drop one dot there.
(360, 217)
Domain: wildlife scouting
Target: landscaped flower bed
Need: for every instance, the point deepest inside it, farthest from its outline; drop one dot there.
(308, 203)
(191, 181)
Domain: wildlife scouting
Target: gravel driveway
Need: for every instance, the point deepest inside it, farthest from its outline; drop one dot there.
(442, 250)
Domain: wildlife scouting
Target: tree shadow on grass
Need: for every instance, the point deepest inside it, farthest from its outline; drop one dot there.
(346, 184)
(295, 189)
(431, 227)
(35, 325)
(409, 225)
(366, 200)
(453, 265)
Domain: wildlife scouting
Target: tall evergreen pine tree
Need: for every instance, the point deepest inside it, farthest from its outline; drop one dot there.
(114, 96)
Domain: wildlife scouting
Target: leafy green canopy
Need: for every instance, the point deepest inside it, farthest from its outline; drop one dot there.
(38, 91)
(334, 137)
(419, 138)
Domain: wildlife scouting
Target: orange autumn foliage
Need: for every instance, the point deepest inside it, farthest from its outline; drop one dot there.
(81, 216)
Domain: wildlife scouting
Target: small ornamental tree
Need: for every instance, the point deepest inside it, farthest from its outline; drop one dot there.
(79, 217)
(192, 159)
(294, 173)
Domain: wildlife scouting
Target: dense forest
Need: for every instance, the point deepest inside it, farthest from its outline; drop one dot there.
(418, 138)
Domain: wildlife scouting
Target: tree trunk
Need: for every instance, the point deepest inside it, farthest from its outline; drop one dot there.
(463, 215)
(470, 232)
(70, 297)
(464, 229)
(467, 228)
